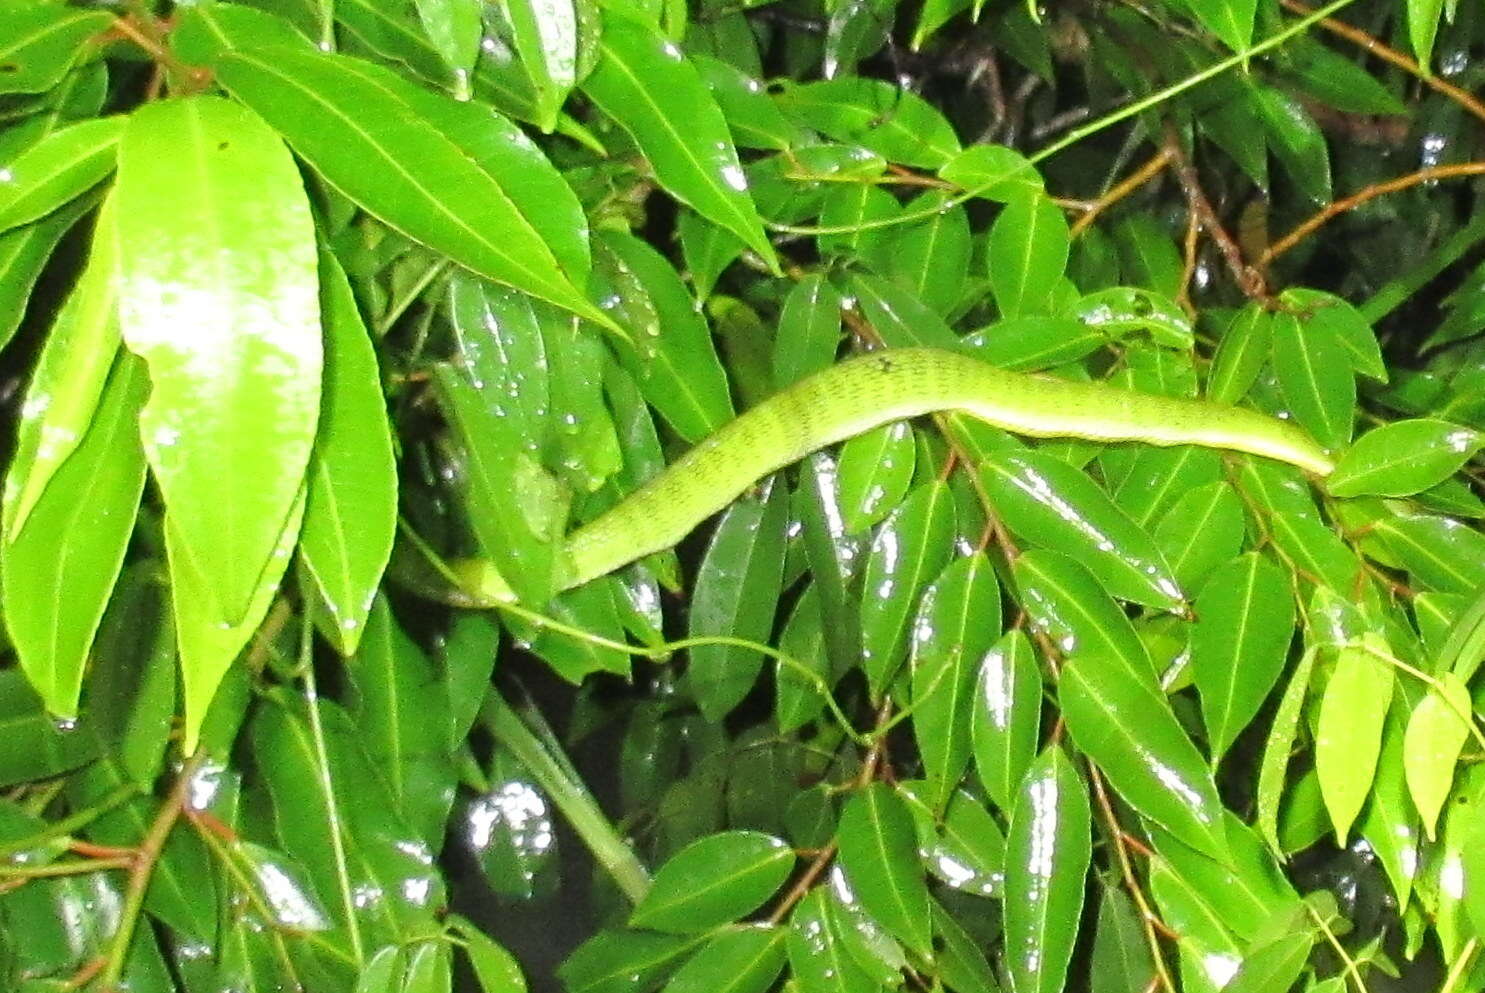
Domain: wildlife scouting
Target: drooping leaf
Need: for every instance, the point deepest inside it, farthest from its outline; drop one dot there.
(1005, 716)
(228, 322)
(1437, 731)
(1348, 733)
(1048, 848)
(646, 84)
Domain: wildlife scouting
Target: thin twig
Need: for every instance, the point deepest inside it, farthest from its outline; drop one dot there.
(1248, 278)
(1134, 181)
(1309, 226)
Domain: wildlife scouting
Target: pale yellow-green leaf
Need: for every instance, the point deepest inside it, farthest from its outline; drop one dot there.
(1437, 731)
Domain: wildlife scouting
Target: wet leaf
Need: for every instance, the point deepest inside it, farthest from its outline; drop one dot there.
(897, 124)
(1048, 848)
(874, 472)
(716, 880)
(1316, 378)
(1121, 957)
(879, 852)
(1402, 458)
(1120, 718)
(1043, 498)
(1439, 552)
(818, 959)
(1027, 253)
(1241, 354)
(809, 330)
(736, 595)
(494, 967)
(624, 961)
(1066, 603)
(1006, 716)
(1203, 530)
(745, 960)
(645, 84)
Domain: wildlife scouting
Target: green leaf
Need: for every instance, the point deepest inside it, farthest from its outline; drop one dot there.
(64, 390)
(897, 124)
(875, 952)
(1348, 733)
(1027, 253)
(350, 512)
(494, 967)
(1148, 257)
(818, 959)
(1402, 458)
(930, 258)
(707, 250)
(624, 961)
(909, 548)
(1048, 848)
(879, 851)
(1203, 530)
(1121, 957)
(1437, 731)
(1423, 26)
(968, 852)
(751, 114)
(1065, 602)
(1313, 551)
(131, 686)
(745, 960)
(961, 961)
(59, 570)
(1005, 716)
(233, 344)
(874, 473)
(1244, 624)
(809, 330)
(517, 510)
(995, 172)
(401, 710)
(203, 33)
(716, 880)
(1316, 378)
(1044, 499)
(1029, 344)
(1230, 20)
(1122, 720)
(1273, 965)
(677, 369)
(24, 252)
(1296, 140)
(898, 317)
(958, 618)
(454, 27)
(736, 594)
(39, 43)
(1246, 892)
(1279, 746)
(290, 900)
(645, 84)
(38, 748)
(359, 127)
(1240, 354)
(1316, 308)
(59, 167)
(1438, 552)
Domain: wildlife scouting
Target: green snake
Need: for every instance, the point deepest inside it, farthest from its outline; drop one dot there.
(861, 393)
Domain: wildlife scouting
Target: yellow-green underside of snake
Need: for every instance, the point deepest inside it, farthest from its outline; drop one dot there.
(864, 392)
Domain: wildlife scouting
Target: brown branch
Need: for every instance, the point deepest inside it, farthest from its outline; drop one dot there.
(1248, 278)
(1309, 226)
(1134, 181)
(1392, 55)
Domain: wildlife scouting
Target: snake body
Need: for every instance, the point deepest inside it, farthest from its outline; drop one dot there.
(859, 394)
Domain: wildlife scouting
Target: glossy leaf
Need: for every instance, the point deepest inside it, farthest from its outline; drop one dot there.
(1046, 500)
(59, 570)
(355, 125)
(746, 960)
(1240, 354)
(737, 590)
(1348, 733)
(1402, 458)
(899, 317)
(350, 510)
(874, 473)
(1244, 624)
(995, 172)
(754, 119)
(931, 257)
(1027, 253)
(494, 967)
(1437, 731)
(61, 166)
(1279, 746)
(1005, 716)
(1126, 726)
(233, 347)
(23, 254)
(647, 86)
(1316, 308)
(879, 852)
(1316, 378)
(1066, 603)
(1121, 958)
(1439, 552)
(65, 388)
(909, 548)
(454, 28)
(958, 618)
(39, 42)
(712, 881)
(620, 961)
(1048, 848)
(818, 959)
